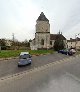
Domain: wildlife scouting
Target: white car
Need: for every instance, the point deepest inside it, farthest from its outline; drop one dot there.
(73, 51)
(22, 53)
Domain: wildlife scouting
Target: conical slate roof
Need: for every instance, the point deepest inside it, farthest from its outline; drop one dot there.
(42, 17)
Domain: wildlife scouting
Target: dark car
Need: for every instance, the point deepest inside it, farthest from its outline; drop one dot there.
(64, 51)
(24, 59)
(60, 51)
(67, 51)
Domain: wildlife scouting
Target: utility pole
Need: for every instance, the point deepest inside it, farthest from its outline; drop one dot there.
(13, 37)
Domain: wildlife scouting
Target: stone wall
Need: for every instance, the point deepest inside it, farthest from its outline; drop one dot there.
(42, 33)
(43, 26)
(45, 37)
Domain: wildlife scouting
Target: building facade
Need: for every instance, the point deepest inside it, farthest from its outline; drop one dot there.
(73, 43)
(43, 39)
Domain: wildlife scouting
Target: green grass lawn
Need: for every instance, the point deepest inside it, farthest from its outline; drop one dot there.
(15, 53)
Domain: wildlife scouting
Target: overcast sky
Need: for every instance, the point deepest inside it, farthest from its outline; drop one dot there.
(19, 17)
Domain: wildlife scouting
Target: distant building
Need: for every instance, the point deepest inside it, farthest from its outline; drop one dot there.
(8, 42)
(43, 39)
(5, 42)
(73, 43)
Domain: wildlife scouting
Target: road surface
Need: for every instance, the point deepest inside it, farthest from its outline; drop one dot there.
(63, 76)
(9, 67)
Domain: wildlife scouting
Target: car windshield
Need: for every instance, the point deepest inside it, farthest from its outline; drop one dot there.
(25, 56)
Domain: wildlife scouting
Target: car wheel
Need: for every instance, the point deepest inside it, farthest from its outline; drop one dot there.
(30, 63)
(18, 65)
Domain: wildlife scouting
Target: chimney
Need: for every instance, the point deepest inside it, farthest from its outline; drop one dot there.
(70, 38)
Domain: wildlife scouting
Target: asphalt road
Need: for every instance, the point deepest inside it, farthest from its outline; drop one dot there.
(9, 67)
(59, 77)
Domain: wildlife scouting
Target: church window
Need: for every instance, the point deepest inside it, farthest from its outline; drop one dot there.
(42, 42)
(50, 42)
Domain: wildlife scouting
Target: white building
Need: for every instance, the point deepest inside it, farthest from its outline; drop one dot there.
(73, 43)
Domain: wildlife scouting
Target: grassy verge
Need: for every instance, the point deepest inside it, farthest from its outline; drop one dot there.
(15, 53)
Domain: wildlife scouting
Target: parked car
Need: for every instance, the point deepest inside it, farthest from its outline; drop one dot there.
(24, 59)
(67, 51)
(73, 51)
(60, 51)
(64, 51)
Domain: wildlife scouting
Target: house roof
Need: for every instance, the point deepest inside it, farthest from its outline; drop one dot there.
(78, 39)
(73, 40)
(42, 17)
(54, 36)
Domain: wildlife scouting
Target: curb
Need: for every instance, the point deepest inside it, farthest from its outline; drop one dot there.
(8, 58)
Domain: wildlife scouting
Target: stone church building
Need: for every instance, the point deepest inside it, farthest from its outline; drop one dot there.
(43, 39)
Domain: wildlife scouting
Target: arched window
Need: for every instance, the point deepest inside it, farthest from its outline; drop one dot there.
(42, 42)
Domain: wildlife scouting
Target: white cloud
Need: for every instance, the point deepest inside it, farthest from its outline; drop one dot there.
(73, 31)
(19, 17)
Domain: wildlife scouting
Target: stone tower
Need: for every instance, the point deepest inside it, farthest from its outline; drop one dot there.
(42, 35)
